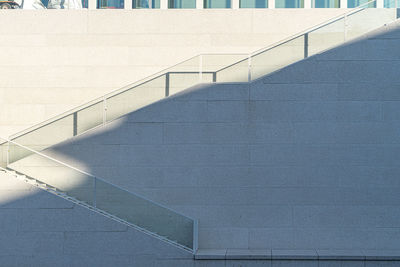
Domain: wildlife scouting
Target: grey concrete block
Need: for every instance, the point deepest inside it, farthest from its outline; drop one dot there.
(248, 254)
(36, 198)
(294, 263)
(341, 263)
(281, 254)
(341, 255)
(175, 263)
(31, 243)
(347, 216)
(229, 91)
(382, 255)
(271, 133)
(223, 237)
(227, 111)
(382, 263)
(274, 237)
(8, 219)
(390, 111)
(211, 254)
(209, 263)
(294, 92)
(248, 263)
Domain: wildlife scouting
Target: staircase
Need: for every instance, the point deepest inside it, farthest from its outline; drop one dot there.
(131, 209)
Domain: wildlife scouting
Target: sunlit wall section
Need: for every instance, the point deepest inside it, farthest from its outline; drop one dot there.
(326, 3)
(217, 3)
(253, 3)
(289, 3)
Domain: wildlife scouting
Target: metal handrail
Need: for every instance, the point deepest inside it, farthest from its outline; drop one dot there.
(162, 72)
(91, 175)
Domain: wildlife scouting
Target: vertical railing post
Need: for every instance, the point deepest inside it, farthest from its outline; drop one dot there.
(8, 154)
(104, 111)
(200, 68)
(95, 192)
(249, 69)
(195, 236)
(306, 45)
(75, 124)
(167, 84)
(214, 77)
(345, 28)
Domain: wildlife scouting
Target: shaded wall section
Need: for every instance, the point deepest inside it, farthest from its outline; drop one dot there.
(305, 158)
(41, 229)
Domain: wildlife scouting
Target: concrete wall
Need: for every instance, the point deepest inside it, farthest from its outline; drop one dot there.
(304, 158)
(53, 60)
(40, 229)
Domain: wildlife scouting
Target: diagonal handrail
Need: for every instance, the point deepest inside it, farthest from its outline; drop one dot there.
(164, 71)
(98, 179)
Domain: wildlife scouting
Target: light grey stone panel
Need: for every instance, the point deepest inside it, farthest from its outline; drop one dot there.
(391, 111)
(31, 243)
(294, 92)
(221, 176)
(368, 176)
(248, 254)
(8, 218)
(209, 263)
(8, 260)
(229, 91)
(382, 263)
(383, 238)
(223, 237)
(227, 111)
(341, 255)
(285, 254)
(109, 260)
(185, 133)
(244, 216)
(332, 238)
(197, 92)
(384, 196)
(365, 91)
(171, 111)
(276, 237)
(294, 263)
(373, 155)
(53, 220)
(384, 255)
(248, 263)
(271, 133)
(190, 154)
(36, 198)
(211, 254)
(373, 49)
(212, 133)
(174, 263)
(346, 216)
(120, 243)
(341, 263)
(10, 183)
(347, 133)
